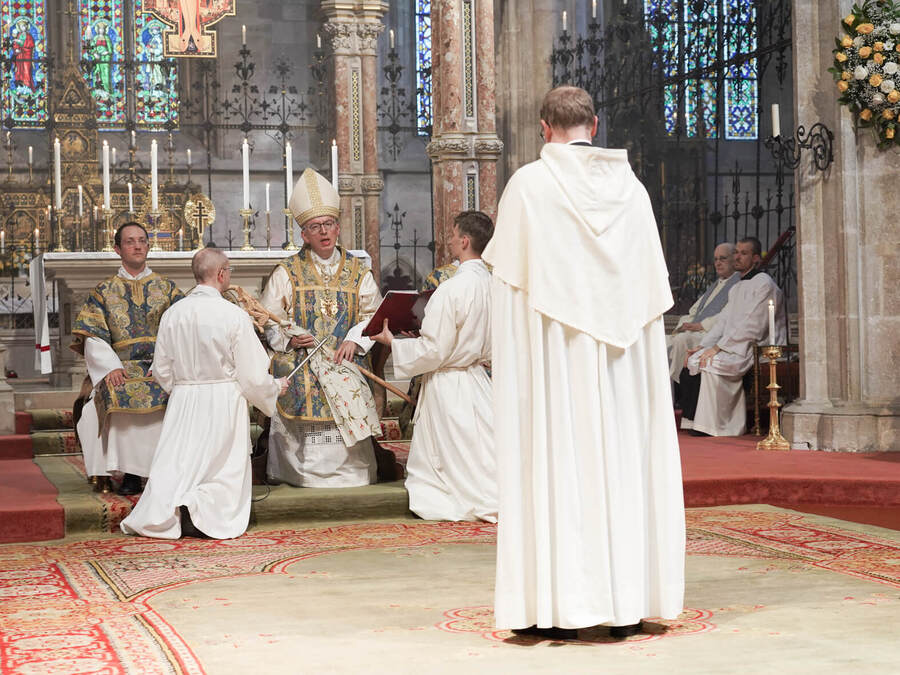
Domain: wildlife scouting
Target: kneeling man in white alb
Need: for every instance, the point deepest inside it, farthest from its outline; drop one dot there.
(210, 361)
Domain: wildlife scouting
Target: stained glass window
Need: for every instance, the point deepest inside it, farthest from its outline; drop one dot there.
(423, 67)
(690, 43)
(23, 36)
(156, 78)
(102, 54)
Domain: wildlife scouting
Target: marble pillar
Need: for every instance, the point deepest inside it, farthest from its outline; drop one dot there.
(464, 147)
(353, 28)
(848, 270)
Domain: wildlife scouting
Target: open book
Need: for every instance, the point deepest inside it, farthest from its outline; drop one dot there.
(404, 310)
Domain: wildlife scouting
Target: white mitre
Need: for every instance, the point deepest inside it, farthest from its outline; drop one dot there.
(313, 196)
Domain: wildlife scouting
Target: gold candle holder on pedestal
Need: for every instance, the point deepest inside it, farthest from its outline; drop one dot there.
(107, 218)
(774, 441)
(154, 217)
(245, 216)
(60, 246)
(290, 246)
(268, 231)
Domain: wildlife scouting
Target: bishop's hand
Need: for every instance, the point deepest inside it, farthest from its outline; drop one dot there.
(385, 337)
(115, 378)
(302, 341)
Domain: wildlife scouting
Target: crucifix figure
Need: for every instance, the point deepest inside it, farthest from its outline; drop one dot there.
(199, 213)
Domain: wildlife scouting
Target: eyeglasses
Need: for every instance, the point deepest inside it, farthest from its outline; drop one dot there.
(318, 228)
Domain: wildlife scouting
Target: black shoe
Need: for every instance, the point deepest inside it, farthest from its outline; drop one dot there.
(188, 529)
(694, 432)
(131, 485)
(625, 631)
(553, 633)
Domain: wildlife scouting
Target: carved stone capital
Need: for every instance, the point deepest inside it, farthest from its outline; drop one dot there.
(489, 146)
(372, 184)
(346, 184)
(449, 147)
(340, 33)
(368, 33)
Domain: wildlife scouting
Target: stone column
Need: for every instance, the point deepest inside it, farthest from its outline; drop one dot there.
(353, 28)
(464, 146)
(847, 266)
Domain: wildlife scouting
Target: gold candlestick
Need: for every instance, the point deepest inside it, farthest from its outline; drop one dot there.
(154, 217)
(774, 441)
(290, 246)
(60, 246)
(107, 217)
(245, 215)
(268, 231)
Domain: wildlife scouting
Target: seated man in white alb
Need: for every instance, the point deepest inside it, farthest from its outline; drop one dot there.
(726, 352)
(694, 325)
(451, 469)
(210, 361)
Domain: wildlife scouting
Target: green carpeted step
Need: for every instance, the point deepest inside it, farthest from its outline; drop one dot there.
(45, 419)
(54, 442)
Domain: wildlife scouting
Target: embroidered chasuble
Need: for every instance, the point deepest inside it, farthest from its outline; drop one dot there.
(125, 313)
(326, 306)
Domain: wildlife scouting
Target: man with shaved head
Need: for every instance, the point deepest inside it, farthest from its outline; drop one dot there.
(211, 363)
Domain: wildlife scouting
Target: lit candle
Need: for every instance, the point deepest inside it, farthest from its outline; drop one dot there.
(154, 179)
(37, 240)
(288, 170)
(133, 140)
(80, 201)
(105, 175)
(181, 239)
(776, 121)
(95, 214)
(30, 155)
(391, 34)
(593, 9)
(245, 157)
(130, 199)
(771, 322)
(113, 157)
(57, 173)
(189, 156)
(267, 198)
(318, 41)
(334, 164)
(244, 35)
(2, 242)
(564, 21)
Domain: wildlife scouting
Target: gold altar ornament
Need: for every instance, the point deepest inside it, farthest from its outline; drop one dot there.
(199, 213)
(774, 441)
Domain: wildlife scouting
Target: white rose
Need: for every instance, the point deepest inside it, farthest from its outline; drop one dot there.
(860, 73)
(895, 28)
(888, 86)
(877, 99)
(858, 41)
(890, 68)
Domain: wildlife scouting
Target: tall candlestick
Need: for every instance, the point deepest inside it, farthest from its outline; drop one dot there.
(105, 175)
(57, 174)
(180, 238)
(130, 199)
(564, 21)
(133, 140)
(593, 9)
(244, 35)
(154, 179)
(189, 156)
(391, 34)
(113, 150)
(318, 41)
(37, 240)
(2, 242)
(30, 155)
(245, 159)
(334, 164)
(267, 198)
(80, 201)
(776, 121)
(771, 322)
(288, 171)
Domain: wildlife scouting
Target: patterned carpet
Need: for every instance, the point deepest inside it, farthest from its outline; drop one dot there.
(87, 606)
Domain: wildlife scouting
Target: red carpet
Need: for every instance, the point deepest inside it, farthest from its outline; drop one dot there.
(28, 507)
(15, 446)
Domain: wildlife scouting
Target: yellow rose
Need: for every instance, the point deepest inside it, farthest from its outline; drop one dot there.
(842, 86)
(847, 75)
(889, 133)
(894, 96)
(865, 52)
(849, 19)
(840, 57)
(878, 46)
(847, 41)
(888, 114)
(878, 58)
(876, 80)
(865, 115)
(865, 28)
(897, 48)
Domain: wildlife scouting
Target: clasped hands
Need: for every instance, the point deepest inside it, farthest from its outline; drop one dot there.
(305, 340)
(705, 358)
(689, 327)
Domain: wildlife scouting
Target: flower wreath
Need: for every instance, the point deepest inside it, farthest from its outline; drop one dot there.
(867, 68)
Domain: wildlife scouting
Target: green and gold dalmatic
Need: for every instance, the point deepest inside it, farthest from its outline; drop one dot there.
(125, 313)
(318, 304)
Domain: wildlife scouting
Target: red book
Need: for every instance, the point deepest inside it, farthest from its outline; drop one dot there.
(403, 310)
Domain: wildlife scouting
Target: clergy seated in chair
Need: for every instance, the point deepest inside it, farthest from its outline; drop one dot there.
(322, 433)
(452, 468)
(713, 398)
(694, 325)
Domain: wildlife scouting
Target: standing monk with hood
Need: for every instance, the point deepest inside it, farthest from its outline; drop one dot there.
(591, 519)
